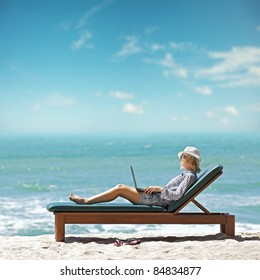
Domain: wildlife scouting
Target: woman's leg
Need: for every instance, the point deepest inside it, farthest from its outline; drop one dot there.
(120, 190)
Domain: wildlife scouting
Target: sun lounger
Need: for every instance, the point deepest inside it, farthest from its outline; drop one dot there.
(114, 213)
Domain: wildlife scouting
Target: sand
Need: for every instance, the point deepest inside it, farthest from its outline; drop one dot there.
(244, 246)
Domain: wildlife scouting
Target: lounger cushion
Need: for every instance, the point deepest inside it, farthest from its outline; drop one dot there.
(102, 207)
(203, 178)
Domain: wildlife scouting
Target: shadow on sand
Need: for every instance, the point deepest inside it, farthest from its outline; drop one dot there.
(170, 239)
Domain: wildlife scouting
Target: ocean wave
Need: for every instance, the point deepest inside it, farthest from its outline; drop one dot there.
(37, 170)
(36, 187)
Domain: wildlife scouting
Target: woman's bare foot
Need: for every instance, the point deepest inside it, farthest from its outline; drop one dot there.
(78, 199)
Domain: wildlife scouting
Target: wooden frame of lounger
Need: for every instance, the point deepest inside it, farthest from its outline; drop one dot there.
(225, 220)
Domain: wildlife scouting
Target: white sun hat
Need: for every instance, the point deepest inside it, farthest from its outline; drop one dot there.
(191, 151)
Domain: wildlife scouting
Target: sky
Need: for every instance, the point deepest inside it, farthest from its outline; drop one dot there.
(129, 66)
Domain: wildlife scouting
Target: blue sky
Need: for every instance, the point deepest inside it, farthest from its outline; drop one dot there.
(129, 66)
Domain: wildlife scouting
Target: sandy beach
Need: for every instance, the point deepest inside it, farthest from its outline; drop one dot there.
(245, 246)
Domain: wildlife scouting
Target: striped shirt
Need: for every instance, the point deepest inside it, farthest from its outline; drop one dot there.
(177, 186)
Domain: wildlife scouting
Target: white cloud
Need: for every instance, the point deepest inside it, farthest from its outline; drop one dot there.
(253, 107)
(174, 119)
(81, 42)
(182, 118)
(238, 67)
(209, 114)
(237, 58)
(130, 47)
(256, 107)
(23, 72)
(65, 26)
(177, 46)
(171, 68)
(54, 100)
(179, 72)
(231, 110)
(59, 100)
(84, 35)
(180, 94)
(185, 118)
(36, 107)
(92, 11)
(225, 121)
(167, 61)
(98, 94)
(150, 30)
(130, 108)
(258, 27)
(156, 47)
(186, 47)
(121, 95)
(255, 71)
(204, 90)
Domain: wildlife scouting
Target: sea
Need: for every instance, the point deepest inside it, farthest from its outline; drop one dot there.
(38, 169)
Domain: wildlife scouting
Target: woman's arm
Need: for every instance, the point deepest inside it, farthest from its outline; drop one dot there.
(152, 189)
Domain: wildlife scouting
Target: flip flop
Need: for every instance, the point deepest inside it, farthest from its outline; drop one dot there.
(128, 241)
(118, 243)
(133, 241)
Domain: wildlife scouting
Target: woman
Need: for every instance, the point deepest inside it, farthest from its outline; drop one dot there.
(154, 195)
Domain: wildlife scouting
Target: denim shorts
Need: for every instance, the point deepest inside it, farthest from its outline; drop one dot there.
(152, 199)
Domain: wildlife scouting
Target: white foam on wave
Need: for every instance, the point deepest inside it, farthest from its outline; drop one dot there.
(159, 229)
(24, 217)
(228, 201)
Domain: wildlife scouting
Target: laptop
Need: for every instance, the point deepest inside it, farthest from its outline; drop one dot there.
(133, 175)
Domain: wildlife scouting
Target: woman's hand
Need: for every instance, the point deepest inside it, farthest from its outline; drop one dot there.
(152, 189)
